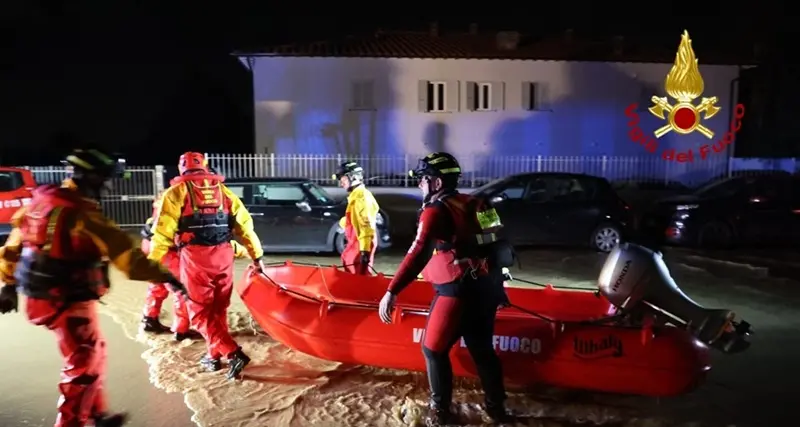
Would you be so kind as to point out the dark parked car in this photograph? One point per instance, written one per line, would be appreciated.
(559, 208)
(746, 209)
(640, 192)
(297, 215)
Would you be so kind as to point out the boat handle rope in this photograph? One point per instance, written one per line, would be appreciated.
(603, 321)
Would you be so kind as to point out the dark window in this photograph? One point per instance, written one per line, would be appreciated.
(10, 181)
(538, 190)
(278, 194)
(572, 189)
(436, 96)
(484, 98)
(513, 190)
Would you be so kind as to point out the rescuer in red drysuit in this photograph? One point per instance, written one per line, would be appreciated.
(456, 249)
(360, 221)
(200, 214)
(157, 293)
(57, 256)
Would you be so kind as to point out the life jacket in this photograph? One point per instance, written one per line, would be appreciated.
(56, 264)
(206, 217)
(475, 226)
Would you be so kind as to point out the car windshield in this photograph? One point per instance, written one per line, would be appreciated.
(721, 188)
(487, 188)
(319, 193)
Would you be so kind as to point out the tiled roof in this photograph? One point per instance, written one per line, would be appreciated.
(477, 46)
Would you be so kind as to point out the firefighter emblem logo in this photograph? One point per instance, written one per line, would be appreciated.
(684, 84)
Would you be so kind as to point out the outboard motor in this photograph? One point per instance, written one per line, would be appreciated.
(636, 280)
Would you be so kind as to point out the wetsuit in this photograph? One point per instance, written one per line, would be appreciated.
(467, 294)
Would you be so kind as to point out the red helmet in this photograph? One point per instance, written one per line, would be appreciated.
(190, 161)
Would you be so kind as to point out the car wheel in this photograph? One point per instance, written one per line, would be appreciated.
(715, 235)
(605, 238)
(339, 242)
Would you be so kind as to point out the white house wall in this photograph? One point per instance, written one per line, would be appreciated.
(303, 105)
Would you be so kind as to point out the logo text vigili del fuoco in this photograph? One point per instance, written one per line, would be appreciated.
(684, 84)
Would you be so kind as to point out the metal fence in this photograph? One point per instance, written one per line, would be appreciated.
(392, 170)
(130, 201)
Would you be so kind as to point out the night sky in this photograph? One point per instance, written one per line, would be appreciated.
(153, 85)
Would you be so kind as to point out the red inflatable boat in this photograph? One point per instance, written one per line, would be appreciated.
(333, 315)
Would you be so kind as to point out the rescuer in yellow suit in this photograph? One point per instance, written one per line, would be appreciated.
(200, 215)
(359, 221)
(57, 257)
(157, 293)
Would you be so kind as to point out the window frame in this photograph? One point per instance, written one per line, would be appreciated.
(483, 96)
(434, 96)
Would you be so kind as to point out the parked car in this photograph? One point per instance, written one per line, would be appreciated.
(16, 185)
(745, 209)
(559, 208)
(640, 192)
(297, 215)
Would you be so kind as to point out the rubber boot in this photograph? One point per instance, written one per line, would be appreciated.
(439, 417)
(188, 335)
(153, 325)
(236, 363)
(112, 420)
(209, 364)
(500, 415)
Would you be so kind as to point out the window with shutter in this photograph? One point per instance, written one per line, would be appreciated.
(437, 97)
(530, 96)
(484, 97)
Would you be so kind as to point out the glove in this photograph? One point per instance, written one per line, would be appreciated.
(259, 265)
(504, 301)
(8, 299)
(178, 288)
(507, 274)
(364, 262)
(385, 308)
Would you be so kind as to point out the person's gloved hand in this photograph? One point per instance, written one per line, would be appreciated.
(177, 287)
(259, 264)
(364, 262)
(8, 299)
(385, 308)
(507, 274)
(504, 301)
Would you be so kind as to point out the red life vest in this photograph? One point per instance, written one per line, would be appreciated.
(55, 263)
(474, 228)
(206, 216)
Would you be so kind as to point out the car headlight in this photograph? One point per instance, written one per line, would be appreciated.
(379, 219)
(685, 207)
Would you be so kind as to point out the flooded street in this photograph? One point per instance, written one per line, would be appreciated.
(284, 388)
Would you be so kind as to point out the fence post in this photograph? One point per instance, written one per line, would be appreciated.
(604, 166)
(406, 168)
(158, 179)
(272, 165)
(539, 163)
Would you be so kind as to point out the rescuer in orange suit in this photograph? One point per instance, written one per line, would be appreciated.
(157, 293)
(456, 249)
(200, 215)
(359, 221)
(56, 256)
